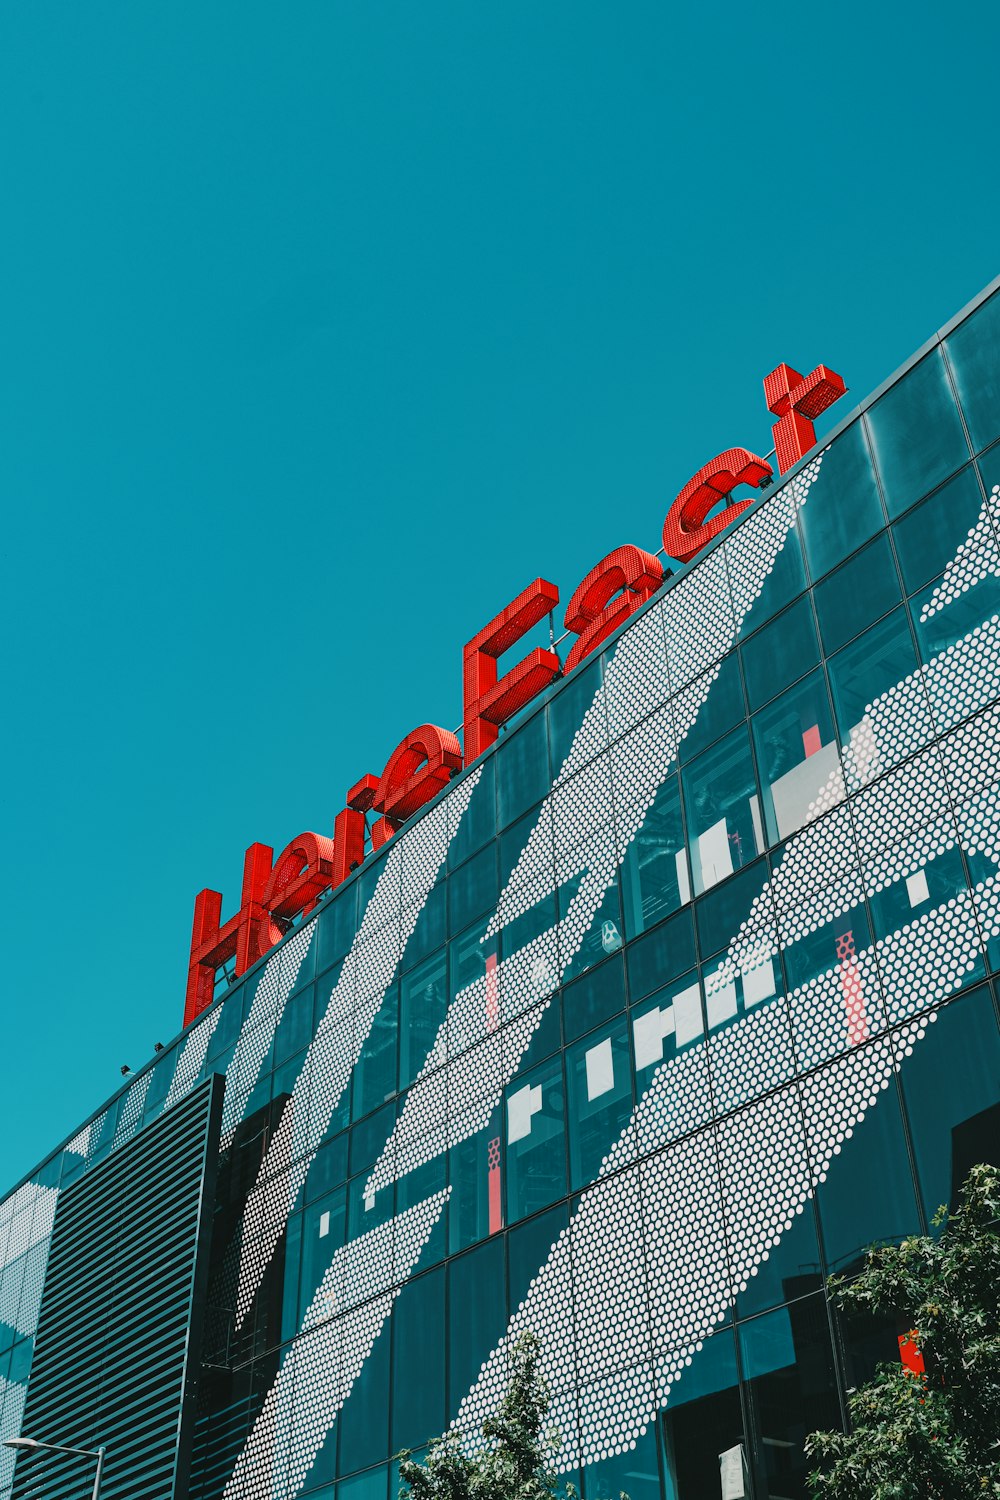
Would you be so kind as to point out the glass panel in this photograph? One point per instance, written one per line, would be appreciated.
(512, 843)
(782, 652)
(671, 1021)
(599, 1085)
(858, 593)
(375, 1072)
(869, 667)
(635, 1473)
(868, 1194)
(784, 583)
(723, 811)
(418, 1334)
(369, 1137)
(843, 508)
(467, 955)
(475, 1206)
(917, 434)
(832, 946)
(719, 915)
(703, 1425)
(928, 537)
(791, 1269)
(364, 1419)
(472, 889)
(567, 709)
(797, 754)
(328, 1169)
(723, 706)
(655, 877)
(423, 1005)
(924, 890)
(290, 1321)
(477, 1315)
(951, 1085)
(603, 934)
(788, 1361)
(593, 999)
(946, 627)
(974, 353)
(528, 1249)
(367, 1486)
(479, 821)
(295, 1028)
(522, 762)
(324, 1229)
(545, 1039)
(534, 1110)
(430, 932)
(660, 956)
(336, 925)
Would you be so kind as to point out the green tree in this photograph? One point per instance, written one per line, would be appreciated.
(936, 1435)
(514, 1460)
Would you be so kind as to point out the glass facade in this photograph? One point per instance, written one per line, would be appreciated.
(672, 1004)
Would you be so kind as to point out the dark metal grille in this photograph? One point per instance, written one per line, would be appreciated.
(117, 1349)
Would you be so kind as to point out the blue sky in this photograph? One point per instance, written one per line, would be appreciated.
(323, 329)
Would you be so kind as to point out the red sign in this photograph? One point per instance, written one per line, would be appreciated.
(276, 892)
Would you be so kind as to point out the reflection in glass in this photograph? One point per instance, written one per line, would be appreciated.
(797, 755)
(723, 811)
(477, 1314)
(423, 1005)
(475, 1207)
(868, 1193)
(843, 508)
(599, 1088)
(917, 434)
(951, 1087)
(704, 1436)
(522, 769)
(418, 1339)
(717, 702)
(946, 627)
(788, 1362)
(594, 998)
(780, 653)
(534, 1108)
(655, 877)
(862, 672)
(974, 354)
(857, 594)
(928, 537)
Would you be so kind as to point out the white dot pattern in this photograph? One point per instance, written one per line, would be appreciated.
(342, 1323)
(404, 883)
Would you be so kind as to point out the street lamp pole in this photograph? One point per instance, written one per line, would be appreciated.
(32, 1445)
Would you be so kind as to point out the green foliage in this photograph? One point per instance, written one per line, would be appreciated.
(514, 1461)
(935, 1436)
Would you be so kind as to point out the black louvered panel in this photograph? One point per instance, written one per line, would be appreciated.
(116, 1357)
